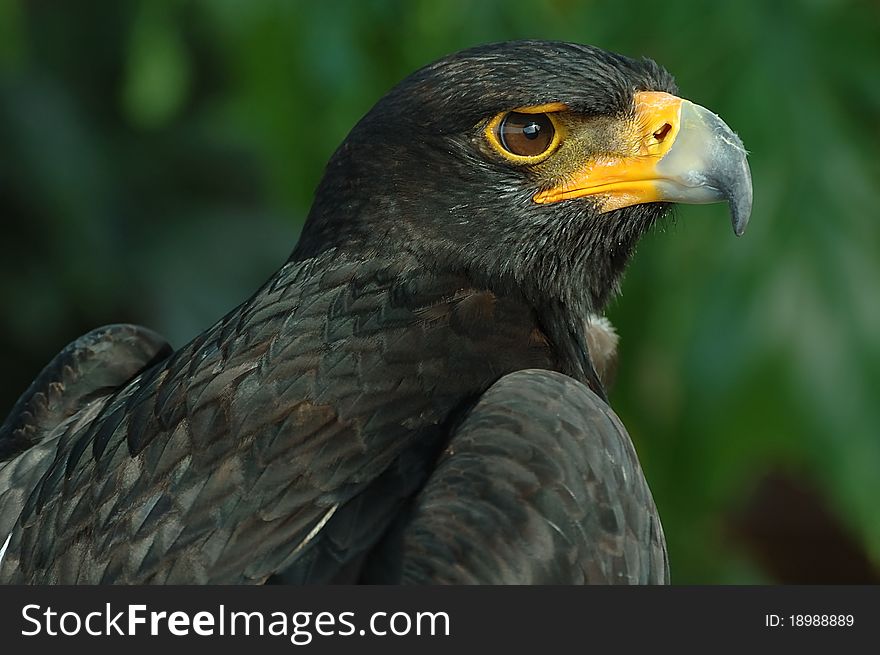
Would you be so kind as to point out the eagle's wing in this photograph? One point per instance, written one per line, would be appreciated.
(82, 374)
(249, 451)
(539, 485)
(95, 364)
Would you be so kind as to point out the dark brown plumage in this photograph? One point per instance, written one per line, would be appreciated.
(381, 386)
(536, 472)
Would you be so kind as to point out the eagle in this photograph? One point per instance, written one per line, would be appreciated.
(418, 394)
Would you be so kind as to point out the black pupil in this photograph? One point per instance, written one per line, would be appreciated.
(531, 130)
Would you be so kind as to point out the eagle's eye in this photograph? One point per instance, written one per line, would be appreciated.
(526, 135)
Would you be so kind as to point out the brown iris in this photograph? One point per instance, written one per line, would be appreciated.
(526, 135)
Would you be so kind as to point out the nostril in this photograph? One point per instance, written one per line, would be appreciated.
(662, 132)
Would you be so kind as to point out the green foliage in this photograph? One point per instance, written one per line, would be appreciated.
(157, 159)
(158, 75)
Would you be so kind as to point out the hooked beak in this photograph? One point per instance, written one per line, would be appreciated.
(684, 154)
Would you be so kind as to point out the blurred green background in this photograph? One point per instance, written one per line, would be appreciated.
(157, 160)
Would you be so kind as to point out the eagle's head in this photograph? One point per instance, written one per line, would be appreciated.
(530, 164)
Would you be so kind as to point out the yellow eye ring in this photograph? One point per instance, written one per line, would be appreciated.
(544, 115)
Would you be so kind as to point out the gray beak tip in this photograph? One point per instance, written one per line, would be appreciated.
(739, 198)
(708, 163)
